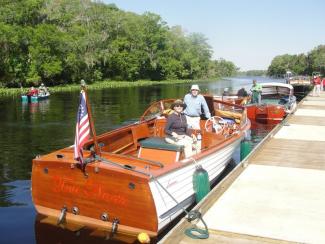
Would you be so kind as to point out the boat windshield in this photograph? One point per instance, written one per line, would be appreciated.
(157, 109)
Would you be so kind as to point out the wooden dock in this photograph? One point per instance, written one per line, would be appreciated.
(277, 194)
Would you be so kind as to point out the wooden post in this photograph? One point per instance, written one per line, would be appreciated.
(92, 127)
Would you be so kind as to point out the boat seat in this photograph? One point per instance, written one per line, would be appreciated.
(160, 143)
(159, 127)
(157, 149)
(139, 132)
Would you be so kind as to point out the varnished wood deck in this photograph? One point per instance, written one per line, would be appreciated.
(277, 195)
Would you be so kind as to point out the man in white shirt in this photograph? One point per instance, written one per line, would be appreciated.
(195, 102)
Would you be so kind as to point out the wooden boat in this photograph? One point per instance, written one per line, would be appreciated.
(34, 99)
(302, 85)
(137, 182)
(277, 101)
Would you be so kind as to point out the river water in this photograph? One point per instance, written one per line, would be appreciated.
(27, 130)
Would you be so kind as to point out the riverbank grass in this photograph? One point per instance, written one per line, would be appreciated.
(97, 85)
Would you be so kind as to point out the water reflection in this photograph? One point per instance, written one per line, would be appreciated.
(259, 131)
(44, 106)
(34, 111)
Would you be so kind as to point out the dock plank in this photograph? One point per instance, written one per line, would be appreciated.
(289, 153)
(266, 201)
(307, 120)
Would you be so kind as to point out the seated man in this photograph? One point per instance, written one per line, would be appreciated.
(226, 92)
(176, 129)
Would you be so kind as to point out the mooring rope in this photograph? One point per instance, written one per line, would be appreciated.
(191, 215)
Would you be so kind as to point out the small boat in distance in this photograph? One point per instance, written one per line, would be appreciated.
(35, 98)
(302, 85)
(135, 181)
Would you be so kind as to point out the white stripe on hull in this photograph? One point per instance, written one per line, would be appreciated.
(179, 183)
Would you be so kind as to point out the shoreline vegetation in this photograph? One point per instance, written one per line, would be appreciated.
(98, 85)
(62, 42)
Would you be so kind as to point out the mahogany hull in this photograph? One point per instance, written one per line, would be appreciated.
(135, 180)
(138, 202)
(268, 113)
(120, 195)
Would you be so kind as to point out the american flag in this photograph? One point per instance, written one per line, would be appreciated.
(82, 128)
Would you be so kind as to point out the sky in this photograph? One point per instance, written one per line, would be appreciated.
(250, 33)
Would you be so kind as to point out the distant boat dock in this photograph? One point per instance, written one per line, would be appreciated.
(277, 194)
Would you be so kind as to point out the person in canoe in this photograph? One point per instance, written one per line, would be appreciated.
(176, 128)
(32, 91)
(42, 90)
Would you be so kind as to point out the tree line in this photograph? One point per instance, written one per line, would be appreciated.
(64, 41)
(301, 64)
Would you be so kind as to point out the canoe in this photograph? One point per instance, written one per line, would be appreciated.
(138, 182)
(34, 99)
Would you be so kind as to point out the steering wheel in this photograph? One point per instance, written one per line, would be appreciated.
(216, 124)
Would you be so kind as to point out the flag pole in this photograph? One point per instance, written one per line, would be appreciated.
(92, 127)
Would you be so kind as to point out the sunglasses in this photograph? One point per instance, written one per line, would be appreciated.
(177, 106)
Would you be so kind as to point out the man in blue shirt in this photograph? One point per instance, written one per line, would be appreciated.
(195, 102)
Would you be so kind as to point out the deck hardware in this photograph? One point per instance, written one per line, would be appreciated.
(113, 231)
(46, 170)
(131, 186)
(60, 156)
(96, 169)
(75, 210)
(104, 217)
(63, 213)
(38, 156)
(115, 223)
(126, 166)
(121, 165)
(72, 166)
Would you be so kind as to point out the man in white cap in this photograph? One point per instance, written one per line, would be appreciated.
(195, 102)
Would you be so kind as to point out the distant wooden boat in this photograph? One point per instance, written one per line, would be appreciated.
(277, 101)
(133, 185)
(302, 85)
(34, 99)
